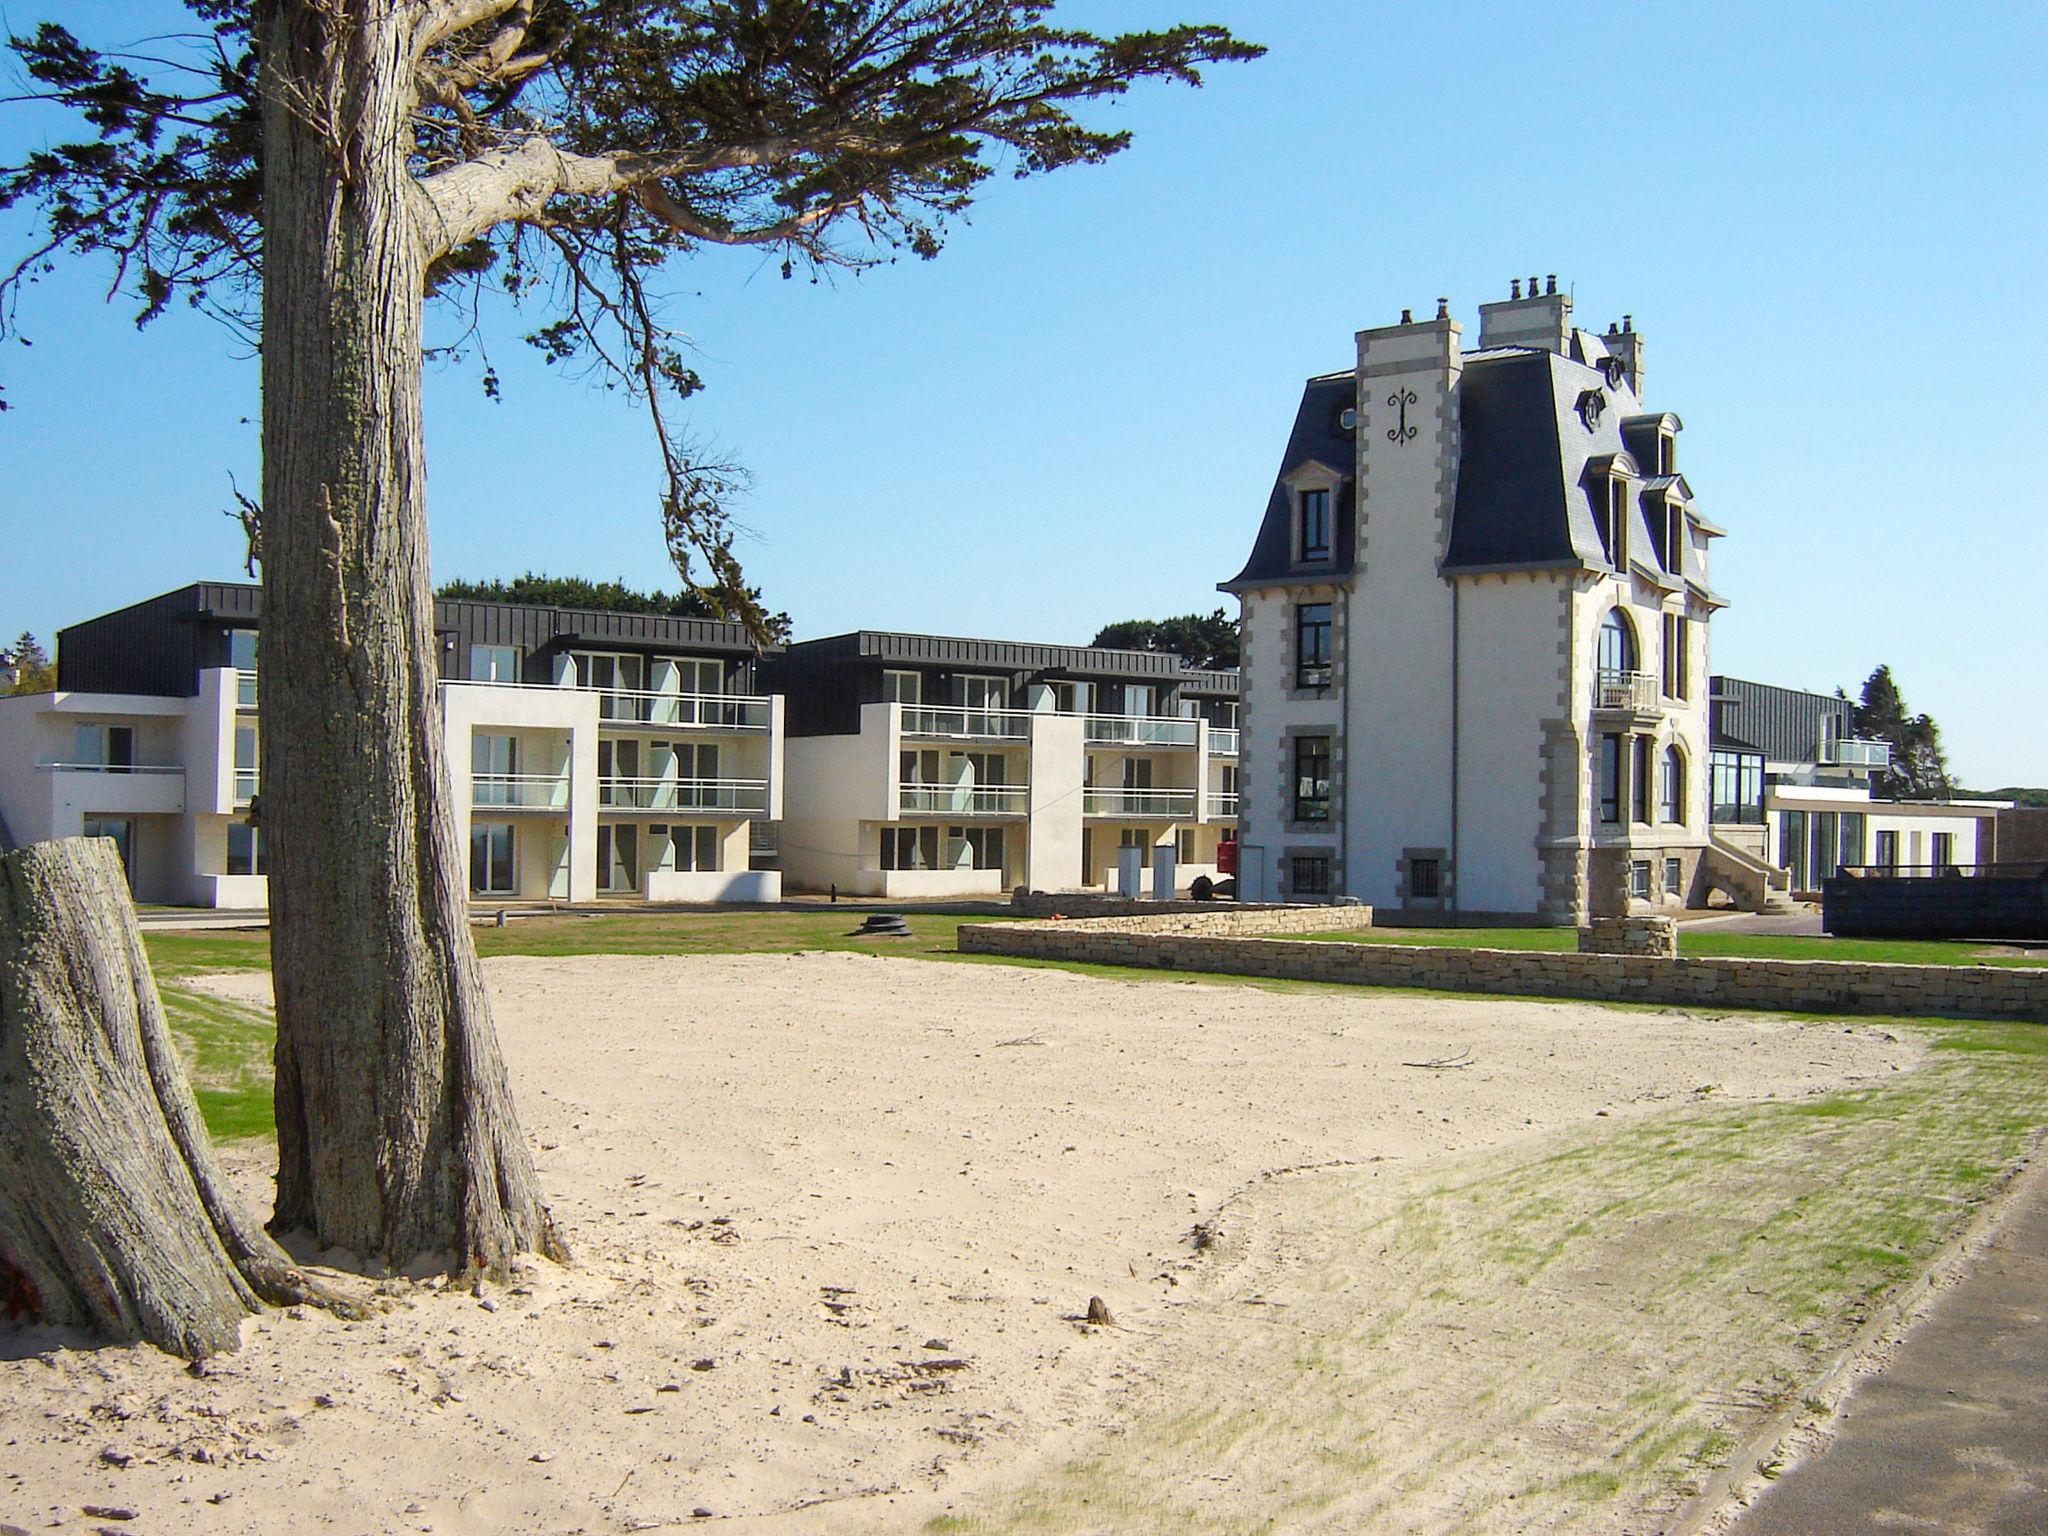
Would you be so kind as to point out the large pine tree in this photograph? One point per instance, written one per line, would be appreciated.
(321, 169)
(1919, 769)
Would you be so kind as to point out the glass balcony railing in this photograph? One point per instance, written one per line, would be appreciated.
(245, 785)
(739, 795)
(1857, 753)
(245, 689)
(966, 720)
(1143, 804)
(1222, 743)
(1222, 805)
(963, 799)
(1139, 731)
(684, 711)
(519, 791)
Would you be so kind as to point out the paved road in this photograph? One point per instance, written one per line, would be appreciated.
(1952, 1436)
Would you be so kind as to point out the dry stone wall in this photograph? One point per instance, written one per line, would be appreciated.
(1243, 944)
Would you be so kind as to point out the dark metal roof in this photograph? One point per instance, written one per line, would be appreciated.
(1222, 683)
(1512, 506)
(890, 647)
(1782, 723)
(1317, 438)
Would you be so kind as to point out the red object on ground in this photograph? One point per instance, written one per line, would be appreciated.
(1226, 856)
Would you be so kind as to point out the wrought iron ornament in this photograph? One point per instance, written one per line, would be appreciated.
(1400, 432)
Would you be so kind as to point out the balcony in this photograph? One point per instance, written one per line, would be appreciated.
(1140, 804)
(1139, 731)
(519, 791)
(1222, 805)
(728, 796)
(1222, 743)
(683, 711)
(1856, 753)
(963, 799)
(141, 788)
(1626, 693)
(966, 722)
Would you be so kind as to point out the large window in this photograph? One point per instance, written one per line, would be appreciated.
(975, 847)
(1887, 854)
(1617, 650)
(1644, 747)
(1738, 788)
(1315, 525)
(1671, 786)
(694, 850)
(1677, 639)
(699, 674)
(245, 849)
(1674, 539)
(910, 847)
(494, 663)
(246, 772)
(1610, 777)
(105, 746)
(492, 846)
(1140, 700)
(1312, 645)
(1311, 778)
(902, 688)
(1614, 523)
(1942, 853)
(242, 649)
(618, 859)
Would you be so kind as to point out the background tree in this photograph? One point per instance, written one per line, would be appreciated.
(1202, 640)
(33, 669)
(615, 596)
(1919, 769)
(361, 157)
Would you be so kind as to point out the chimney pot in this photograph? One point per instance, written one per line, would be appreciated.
(1443, 309)
(1628, 323)
(1550, 283)
(1515, 288)
(1532, 285)
(1407, 317)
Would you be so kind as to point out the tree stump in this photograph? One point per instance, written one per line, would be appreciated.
(114, 1214)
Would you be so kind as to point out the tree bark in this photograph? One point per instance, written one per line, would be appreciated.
(396, 1133)
(114, 1215)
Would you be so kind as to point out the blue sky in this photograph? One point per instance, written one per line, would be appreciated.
(1826, 221)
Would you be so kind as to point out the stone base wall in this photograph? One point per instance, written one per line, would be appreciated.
(1211, 918)
(1630, 936)
(1216, 943)
(1101, 904)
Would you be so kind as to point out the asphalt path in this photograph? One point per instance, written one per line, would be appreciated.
(1952, 1435)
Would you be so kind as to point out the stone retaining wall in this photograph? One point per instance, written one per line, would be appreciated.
(1189, 943)
(1101, 904)
(1214, 919)
(1630, 936)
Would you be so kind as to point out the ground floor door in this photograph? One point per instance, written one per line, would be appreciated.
(122, 831)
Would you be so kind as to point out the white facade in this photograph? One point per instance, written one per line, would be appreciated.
(538, 780)
(948, 801)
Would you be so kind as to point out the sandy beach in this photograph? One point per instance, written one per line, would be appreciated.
(836, 1220)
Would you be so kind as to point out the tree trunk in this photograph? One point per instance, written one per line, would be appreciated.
(113, 1213)
(396, 1133)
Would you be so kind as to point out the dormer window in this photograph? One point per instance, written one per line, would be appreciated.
(1674, 538)
(1614, 523)
(1667, 454)
(1315, 525)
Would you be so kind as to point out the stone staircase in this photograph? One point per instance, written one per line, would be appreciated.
(1752, 883)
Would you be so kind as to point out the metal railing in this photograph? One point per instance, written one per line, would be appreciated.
(519, 791)
(1625, 690)
(1222, 803)
(110, 767)
(245, 689)
(1856, 752)
(684, 711)
(1150, 804)
(627, 794)
(965, 720)
(1139, 730)
(2007, 869)
(963, 799)
(1222, 742)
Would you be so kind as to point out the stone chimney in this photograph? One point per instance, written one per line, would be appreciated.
(1542, 317)
(1626, 343)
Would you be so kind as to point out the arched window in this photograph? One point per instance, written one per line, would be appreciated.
(1617, 644)
(1671, 786)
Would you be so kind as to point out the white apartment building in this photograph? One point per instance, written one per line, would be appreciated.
(927, 766)
(594, 754)
(1475, 627)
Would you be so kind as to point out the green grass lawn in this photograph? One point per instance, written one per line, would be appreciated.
(1704, 943)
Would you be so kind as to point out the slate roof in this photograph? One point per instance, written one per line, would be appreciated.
(1532, 463)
